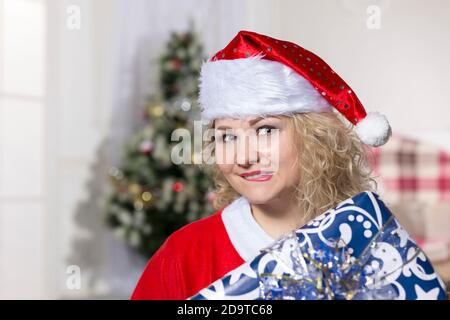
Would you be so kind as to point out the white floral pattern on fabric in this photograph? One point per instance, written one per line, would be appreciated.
(353, 220)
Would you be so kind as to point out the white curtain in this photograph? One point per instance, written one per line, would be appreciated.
(142, 28)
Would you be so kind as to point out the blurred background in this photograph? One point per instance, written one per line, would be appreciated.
(90, 91)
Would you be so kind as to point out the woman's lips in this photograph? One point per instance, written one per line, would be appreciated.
(261, 178)
(257, 176)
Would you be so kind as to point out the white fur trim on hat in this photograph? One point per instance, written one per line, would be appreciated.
(374, 129)
(255, 87)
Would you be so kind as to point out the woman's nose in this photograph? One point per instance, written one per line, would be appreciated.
(247, 151)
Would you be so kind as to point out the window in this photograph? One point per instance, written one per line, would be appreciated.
(22, 138)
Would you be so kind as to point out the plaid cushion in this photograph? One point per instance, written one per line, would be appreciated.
(411, 170)
(414, 180)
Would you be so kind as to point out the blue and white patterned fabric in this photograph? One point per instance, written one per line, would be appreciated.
(356, 221)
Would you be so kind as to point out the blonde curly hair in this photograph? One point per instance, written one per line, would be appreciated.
(333, 164)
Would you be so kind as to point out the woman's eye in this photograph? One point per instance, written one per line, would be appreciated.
(228, 137)
(265, 130)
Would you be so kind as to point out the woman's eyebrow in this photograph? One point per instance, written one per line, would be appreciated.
(254, 121)
(251, 122)
(223, 128)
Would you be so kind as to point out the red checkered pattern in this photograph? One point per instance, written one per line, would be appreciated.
(411, 170)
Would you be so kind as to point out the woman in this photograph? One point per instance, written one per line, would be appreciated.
(284, 152)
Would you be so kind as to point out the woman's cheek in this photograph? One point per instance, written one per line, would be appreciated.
(274, 154)
(225, 168)
(288, 157)
(225, 154)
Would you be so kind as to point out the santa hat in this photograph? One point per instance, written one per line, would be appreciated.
(256, 75)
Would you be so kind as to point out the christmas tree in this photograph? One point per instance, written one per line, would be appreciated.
(152, 197)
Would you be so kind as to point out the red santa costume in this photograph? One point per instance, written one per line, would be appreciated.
(238, 82)
(202, 252)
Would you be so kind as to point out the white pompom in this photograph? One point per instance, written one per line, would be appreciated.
(374, 129)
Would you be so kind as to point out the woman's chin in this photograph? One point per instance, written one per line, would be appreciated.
(258, 192)
(258, 196)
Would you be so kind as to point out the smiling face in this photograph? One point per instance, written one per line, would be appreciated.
(257, 156)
